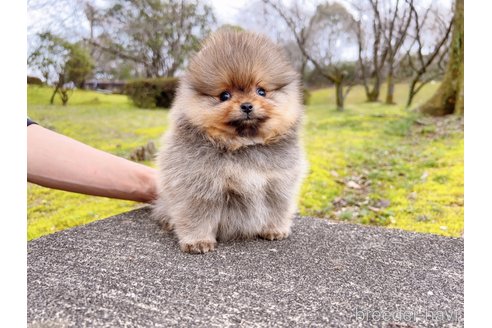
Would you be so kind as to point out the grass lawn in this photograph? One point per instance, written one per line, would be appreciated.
(372, 164)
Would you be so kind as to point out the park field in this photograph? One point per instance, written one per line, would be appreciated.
(371, 164)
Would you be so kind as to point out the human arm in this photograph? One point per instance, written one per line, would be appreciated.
(59, 162)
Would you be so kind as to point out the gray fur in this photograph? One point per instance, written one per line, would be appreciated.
(208, 192)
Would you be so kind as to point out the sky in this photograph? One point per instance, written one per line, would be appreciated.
(227, 10)
(67, 17)
(39, 17)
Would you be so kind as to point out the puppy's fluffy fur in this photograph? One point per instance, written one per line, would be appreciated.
(226, 174)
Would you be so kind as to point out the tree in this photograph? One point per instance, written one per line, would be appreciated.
(111, 65)
(62, 64)
(320, 39)
(154, 34)
(395, 36)
(371, 58)
(381, 32)
(263, 19)
(333, 31)
(426, 55)
(93, 17)
(449, 97)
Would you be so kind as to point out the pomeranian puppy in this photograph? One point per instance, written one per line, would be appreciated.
(231, 163)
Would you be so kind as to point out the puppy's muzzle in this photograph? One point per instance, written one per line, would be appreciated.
(246, 107)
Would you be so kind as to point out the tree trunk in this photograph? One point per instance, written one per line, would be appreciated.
(59, 84)
(390, 88)
(64, 96)
(339, 95)
(411, 92)
(373, 96)
(449, 97)
(52, 100)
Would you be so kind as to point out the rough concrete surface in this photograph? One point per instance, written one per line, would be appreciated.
(124, 272)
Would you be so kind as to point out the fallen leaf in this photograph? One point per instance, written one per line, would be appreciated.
(374, 209)
(353, 185)
(334, 174)
(424, 176)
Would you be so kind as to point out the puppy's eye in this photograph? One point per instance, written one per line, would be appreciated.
(224, 96)
(261, 92)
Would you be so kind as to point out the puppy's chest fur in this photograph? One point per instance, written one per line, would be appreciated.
(239, 180)
(211, 172)
(242, 188)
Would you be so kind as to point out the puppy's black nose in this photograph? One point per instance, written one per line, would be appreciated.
(246, 107)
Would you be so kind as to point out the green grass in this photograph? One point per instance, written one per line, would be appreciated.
(416, 170)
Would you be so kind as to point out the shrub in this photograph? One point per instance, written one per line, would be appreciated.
(152, 93)
(34, 80)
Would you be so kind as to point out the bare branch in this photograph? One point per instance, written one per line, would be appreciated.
(438, 52)
(290, 23)
(115, 52)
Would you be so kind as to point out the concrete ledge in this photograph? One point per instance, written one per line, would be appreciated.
(124, 272)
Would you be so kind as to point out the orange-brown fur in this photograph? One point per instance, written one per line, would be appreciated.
(220, 66)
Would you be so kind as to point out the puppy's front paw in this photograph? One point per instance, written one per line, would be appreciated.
(198, 247)
(272, 234)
